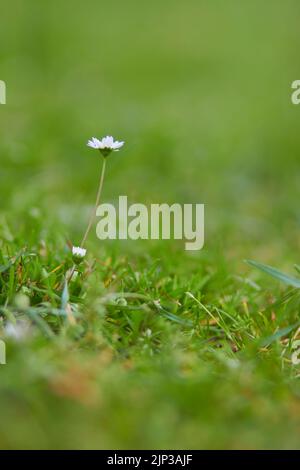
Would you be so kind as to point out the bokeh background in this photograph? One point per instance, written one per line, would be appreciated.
(201, 93)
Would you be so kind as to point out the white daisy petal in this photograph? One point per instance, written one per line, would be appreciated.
(118, 145)
(91, 144)
(94, 143)
(107, 141)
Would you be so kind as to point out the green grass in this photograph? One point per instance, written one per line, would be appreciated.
(162, 348)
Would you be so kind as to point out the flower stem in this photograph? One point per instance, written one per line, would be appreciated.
(93, 214)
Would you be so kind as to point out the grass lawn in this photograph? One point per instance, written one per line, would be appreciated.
(152, 346)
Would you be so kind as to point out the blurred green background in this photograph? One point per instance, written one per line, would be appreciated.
(201, 93)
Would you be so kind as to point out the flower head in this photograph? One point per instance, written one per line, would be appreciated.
(106, 145)
(78, 253)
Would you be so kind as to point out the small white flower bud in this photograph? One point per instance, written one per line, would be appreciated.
(78, 254)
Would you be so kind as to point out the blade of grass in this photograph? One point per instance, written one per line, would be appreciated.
(282, 332)
(289, 280)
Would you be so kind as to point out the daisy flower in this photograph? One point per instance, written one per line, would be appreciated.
(105, 145)
(78, 253)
